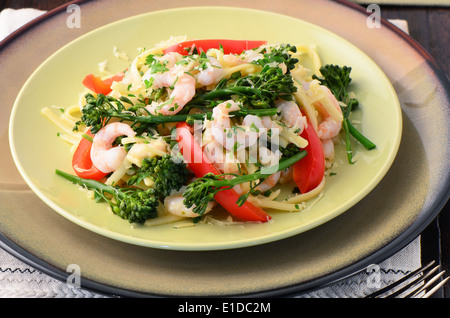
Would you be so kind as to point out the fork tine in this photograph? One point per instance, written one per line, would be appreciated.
(420, 289)
(400, 281)
(435, 288)
(420, 279)
(414, 282)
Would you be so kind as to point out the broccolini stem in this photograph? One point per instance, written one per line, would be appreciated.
(133, 204)
(91, 184)
(87, 137)
(348, 145)
(224, 92)
(359, 136)
(337, 79)
(201, 191)
(159, 119)
(283, 164)
(229, 183)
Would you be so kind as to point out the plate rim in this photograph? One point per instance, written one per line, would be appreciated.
(389, 249)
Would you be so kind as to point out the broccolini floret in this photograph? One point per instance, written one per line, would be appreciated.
(338, 79)
(169, 173)
(137, 205)
(279, 55)
(290, 150)
(202, 190)
(133, 204)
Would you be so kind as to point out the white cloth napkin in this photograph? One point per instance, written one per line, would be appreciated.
(375, 276)
(11, 20)
(19, 280)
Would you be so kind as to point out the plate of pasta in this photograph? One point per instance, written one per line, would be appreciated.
(205, 140)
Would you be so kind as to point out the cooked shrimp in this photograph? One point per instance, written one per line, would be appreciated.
(249, 131)
(271, 126)
(237, 137)
(211, 74)
(269, 182)
(269, 159)
(221, 112)
(174, 205)
(104, 156)
(251, 56)
(224, 162)
(245, 57)
(221, 123)
(170, 59)
(328, 149)
(160, 79)
(291, 114)
(224, 140)
(286, 175)
(329, 127)
(183, 89)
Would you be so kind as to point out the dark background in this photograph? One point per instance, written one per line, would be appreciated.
(430, 27)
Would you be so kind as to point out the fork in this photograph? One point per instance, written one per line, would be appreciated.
(410, 286)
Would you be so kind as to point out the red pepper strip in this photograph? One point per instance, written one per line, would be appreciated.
(200, 165)
(82, 163)
(229, 46)
(99, 86)
(309, 171)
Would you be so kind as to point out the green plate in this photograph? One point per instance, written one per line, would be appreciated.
(37, 151)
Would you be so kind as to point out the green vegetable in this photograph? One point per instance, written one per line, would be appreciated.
(132, 204)
(337, 79)
(155, 65)
(99, 110)
(201, 191)
(290, 150)
(168, 172)
(278, 55)
(256, 90)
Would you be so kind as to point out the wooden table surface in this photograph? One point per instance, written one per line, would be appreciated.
(429, 26)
